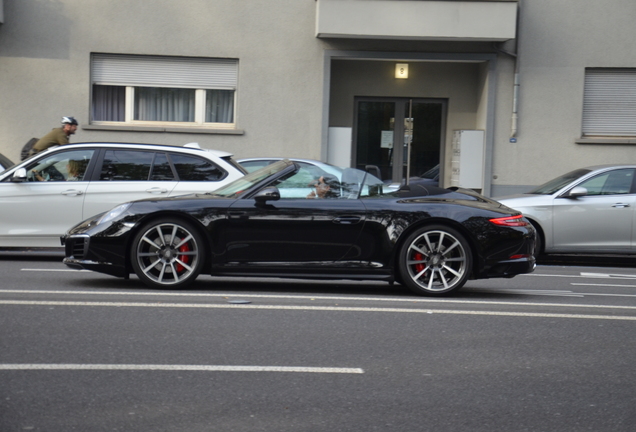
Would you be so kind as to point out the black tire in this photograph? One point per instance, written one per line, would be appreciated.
(435, 260)
(167, 253)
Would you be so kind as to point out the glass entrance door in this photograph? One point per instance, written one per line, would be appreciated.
(384, 128)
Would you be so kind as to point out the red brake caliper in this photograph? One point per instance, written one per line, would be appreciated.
(420, 266)
(184, 258)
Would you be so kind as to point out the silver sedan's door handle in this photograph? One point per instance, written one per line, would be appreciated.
(156, 190)
(72, 192)
(620, 205)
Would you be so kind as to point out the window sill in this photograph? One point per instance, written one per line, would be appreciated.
(128, 128)
(606, 141)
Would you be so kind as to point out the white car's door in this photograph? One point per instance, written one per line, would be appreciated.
(602, 220)
(38, 210)
(126, 176)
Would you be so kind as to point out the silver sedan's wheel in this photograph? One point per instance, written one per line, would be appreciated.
(435, 260)
(167, 254)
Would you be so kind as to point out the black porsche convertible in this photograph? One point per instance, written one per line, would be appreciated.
(285, 221)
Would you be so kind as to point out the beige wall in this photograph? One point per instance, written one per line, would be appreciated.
(45, 51)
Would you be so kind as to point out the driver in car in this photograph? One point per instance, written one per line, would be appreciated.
(326, 186)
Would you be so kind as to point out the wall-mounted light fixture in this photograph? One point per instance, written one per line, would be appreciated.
(402, 70)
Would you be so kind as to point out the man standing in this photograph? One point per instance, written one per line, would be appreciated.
(58, 136)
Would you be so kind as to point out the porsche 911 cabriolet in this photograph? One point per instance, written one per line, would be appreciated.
(430, 239)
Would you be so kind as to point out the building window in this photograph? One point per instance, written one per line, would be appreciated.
(609, 103)
(163, 91)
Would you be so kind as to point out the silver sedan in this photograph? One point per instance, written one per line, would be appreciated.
(589, 210)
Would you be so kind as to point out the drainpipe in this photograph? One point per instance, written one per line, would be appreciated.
(515, 90)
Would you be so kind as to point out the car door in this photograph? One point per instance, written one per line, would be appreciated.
(602, 220)
(37, 211)
(292, 231)
(128, 175)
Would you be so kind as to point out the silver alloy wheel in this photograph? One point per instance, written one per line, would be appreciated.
(437, 261)
(167, 254)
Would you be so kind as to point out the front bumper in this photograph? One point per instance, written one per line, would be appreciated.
(80, 254)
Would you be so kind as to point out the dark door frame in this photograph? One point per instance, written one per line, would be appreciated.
(401, 103)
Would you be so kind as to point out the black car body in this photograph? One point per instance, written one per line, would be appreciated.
(428, 238)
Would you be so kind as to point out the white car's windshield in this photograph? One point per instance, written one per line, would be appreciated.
(558, 183)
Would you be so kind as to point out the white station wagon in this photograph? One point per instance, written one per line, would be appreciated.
(48, 193)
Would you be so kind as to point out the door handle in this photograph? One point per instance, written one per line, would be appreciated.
(620, 205)
(156, 190)
(236, 214)
(72, 192)
(347, 220)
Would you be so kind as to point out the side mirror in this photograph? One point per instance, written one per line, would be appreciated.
(270, 193)
(19, 176)
(576, 192)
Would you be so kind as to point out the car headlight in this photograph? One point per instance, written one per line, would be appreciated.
(114, 213)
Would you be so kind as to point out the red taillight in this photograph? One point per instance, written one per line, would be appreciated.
(519, 256)
(511, 221)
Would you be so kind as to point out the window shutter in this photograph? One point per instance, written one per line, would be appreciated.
(156, 71)
(609, 106)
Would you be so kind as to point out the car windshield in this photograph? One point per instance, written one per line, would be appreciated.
(558, 183)
(235, 188)
(433, 173)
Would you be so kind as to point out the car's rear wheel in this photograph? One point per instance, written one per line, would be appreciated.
(435, 260)
(167, 254)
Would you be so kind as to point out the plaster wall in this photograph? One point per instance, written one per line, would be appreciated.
(557, 41)
(45, 48)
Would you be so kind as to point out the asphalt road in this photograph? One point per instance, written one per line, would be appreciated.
(550, 351)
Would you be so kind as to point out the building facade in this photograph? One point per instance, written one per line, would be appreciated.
(501, 95)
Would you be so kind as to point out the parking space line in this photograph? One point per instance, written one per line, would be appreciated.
(158, 367)
(319, 308)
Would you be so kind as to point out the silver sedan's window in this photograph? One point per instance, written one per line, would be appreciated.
(617, 182)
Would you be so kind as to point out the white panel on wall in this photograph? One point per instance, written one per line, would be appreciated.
(467, 163)
(339, 146)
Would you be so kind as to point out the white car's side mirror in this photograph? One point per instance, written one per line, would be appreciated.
(577, 191)
(19, 176)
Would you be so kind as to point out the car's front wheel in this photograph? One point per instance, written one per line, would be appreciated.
(435, 260)
(167, 254)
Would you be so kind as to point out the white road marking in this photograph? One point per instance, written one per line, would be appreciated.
(583, 275)
(55, 270)
(206, 368)
(317, 308)
(319, 297)
(608, 275)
